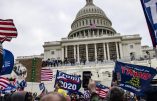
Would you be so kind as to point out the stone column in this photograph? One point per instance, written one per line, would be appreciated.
(63, 53)
(93, 33)
(104, 46)
(98, 33)
(117, 50)
(66, 52)
(102, 33)
(74, 52)
(84, 33)
(121, 51)
(95, 52)
(78, 54)
(87, 53)
(108, 52)
(88, 33)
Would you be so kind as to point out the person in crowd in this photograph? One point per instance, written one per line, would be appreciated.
(53, 97)
(59, 90)
(21, 96)
(115, 93)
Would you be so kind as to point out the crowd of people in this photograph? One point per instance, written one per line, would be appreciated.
(114, 94)
(56, 63)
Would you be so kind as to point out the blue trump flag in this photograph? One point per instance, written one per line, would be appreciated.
(134, 78)
(68, 82)
(8, 62)
(150, 12)
(41, 86)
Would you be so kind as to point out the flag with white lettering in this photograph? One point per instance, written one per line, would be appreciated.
(68, 82)
(8, 62)
(150, 12)
(134, 78)
(7, 30)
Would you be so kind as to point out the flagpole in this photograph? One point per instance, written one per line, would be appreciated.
(155, 49)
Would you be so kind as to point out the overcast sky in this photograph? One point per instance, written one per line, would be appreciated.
(38, 21)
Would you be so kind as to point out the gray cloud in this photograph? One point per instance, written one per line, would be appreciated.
(38, 21)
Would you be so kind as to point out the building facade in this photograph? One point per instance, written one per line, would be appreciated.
(92, 38)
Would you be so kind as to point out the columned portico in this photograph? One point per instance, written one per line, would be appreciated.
(74, 52)
(95, 52)
(87, 53)
(62, 53)
(66, 51)
(117, 50)
(78, 54)
(104, 46)
(108, 54)
(121, 51)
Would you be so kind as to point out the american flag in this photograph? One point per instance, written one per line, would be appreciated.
(4, 82)
(7, 30)
(101, 90)
(46, 74)
(87, 94)
(92, 26)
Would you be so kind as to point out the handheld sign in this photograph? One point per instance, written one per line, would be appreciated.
(8, 62)
(68, 82)
(134, 78)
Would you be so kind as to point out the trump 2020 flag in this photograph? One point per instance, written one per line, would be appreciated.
(150, 12)
(8, 62)
(134, 78)
(68, 82)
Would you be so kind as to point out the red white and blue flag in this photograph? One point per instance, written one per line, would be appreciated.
(7, 30)
(4, 83)
(92, 26)
(150, 12)
(46, 74)
(101, 90)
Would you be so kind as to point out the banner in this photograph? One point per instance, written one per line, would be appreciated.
(134, 78)
(68, 82)
(8, 62)
(150, 12)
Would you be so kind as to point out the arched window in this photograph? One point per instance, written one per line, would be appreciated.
(90, 21)
(101, 22)
(94, 21)
(79, 23)
(86, 21)
(83, 22)
(97, 21)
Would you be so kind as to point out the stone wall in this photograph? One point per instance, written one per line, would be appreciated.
(28, 64)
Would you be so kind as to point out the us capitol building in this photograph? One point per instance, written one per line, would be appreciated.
(93, 38)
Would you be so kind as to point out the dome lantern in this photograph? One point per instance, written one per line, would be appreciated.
(89, 2)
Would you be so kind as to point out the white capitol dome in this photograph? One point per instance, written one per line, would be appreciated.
(88, 15)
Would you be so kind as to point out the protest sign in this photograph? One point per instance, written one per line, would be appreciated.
(134, 78)
(8, 62)
(68, 82)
